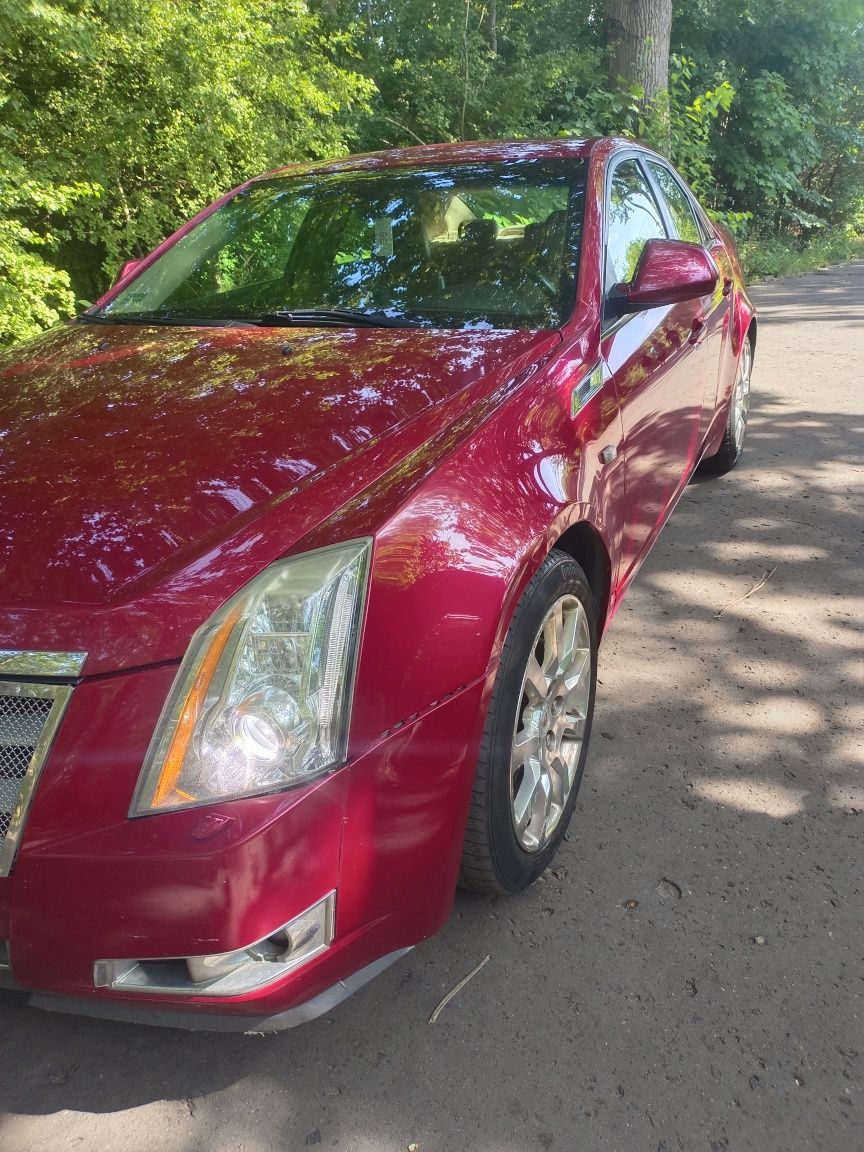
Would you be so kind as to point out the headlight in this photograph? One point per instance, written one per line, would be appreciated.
(262, 698)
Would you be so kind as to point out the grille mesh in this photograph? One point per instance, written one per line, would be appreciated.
(22, 721)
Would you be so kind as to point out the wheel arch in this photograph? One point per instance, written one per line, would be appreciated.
(744, 323)
(584, 544)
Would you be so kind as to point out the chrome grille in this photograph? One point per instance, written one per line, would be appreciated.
(22, 719)
(29, 716)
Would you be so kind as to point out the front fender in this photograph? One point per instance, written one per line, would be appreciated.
(451, 562)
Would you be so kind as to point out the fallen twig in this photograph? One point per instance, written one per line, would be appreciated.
(458, 988)
(763, 579)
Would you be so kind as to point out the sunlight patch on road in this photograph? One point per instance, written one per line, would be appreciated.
(781, 714)
(749, 794)
(847, 796)
(773, 553)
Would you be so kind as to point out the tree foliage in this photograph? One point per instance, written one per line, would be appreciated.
(118, 120)
(121, 119)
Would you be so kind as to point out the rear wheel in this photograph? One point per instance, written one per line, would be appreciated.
(537, 730)
(732, 446)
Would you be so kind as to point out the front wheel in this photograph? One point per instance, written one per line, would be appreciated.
(535, 741)
(729, 453)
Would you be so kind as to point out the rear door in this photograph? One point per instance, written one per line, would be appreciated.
(656, 359)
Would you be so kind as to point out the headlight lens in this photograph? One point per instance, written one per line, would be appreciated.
(262, 698)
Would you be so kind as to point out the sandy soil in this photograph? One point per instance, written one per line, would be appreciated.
(689, 976)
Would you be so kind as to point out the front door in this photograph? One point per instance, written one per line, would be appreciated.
(715, 305)
(657, 360)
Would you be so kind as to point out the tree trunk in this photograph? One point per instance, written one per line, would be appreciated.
(637, 37)
(493, 27)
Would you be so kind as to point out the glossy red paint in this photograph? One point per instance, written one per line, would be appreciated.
(172, 465)
(148, 473)
(668, 272)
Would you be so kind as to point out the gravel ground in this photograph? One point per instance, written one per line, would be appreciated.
(689, 976)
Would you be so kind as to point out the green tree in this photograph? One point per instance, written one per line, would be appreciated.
(468, 69)
(119, 119)
(790, 147)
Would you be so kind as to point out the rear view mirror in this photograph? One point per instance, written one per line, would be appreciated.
(668, 272)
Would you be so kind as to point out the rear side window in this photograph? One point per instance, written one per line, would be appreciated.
(678, 203)
(634, 219)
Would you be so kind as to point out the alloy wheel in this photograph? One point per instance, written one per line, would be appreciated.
(741, 399)
(550, 722)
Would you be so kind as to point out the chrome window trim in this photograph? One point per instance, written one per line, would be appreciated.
(60, 694)
(51, 665)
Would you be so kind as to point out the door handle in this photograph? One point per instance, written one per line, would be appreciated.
(696, 329)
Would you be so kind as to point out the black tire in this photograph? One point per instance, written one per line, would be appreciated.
(732, 446)
(493, 859)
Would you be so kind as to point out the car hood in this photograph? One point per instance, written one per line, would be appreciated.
(128, 452)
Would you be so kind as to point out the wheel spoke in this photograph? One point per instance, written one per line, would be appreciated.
(584, 633)
(540, 808)
(536, 683)
(531, 799)
(525, 746)
(574, 727)
(553, 640)
(572, 626)
(559, 779)
(578, 679)
(524, 798)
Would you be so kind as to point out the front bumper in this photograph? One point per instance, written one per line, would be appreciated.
(91, 885)
(127, 1012)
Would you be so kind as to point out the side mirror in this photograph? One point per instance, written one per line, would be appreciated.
(126, 270)
(668, 272)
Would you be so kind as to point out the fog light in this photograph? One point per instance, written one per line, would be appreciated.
(228, 973)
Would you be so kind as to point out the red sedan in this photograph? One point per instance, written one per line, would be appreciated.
(309, 531)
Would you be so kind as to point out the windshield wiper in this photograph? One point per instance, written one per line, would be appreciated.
(163, 318)
(287, 318)
(331, 318)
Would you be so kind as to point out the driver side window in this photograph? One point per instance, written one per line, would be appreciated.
(633, 219)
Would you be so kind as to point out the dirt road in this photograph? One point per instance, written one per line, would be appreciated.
(690, 977)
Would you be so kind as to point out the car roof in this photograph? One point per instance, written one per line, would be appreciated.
(460, 152)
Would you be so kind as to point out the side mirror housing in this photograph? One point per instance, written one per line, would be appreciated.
(668, 272)
(126, 269)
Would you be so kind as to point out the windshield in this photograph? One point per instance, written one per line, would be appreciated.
(474, 245)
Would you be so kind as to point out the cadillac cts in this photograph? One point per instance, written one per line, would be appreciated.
(309, 531)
